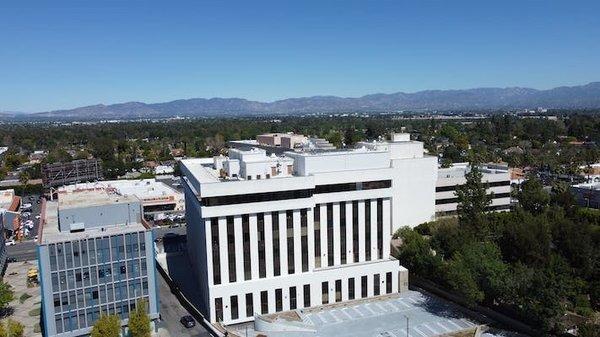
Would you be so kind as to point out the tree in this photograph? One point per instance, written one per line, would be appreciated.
(24, 180)
(415, 253)
(473, 201)
(139, 321)
(6, 295)
(107, 326)
(532, 197)
(11, 328)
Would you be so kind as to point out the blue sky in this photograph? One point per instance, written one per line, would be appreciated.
(64, 54)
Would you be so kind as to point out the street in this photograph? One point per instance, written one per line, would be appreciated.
(171, 311)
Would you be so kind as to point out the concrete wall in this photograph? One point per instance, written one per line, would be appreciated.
(99, 216)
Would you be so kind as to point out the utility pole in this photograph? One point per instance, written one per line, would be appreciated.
(407, 327)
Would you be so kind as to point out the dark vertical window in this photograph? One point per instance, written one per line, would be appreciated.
(317, 220)
(234, 307)
(388, 283)
(290, 240)
(338, 290)
(276, 253)
(307, 295)
(355, 230)
(324, 293)
(376, 285)
(367, 230)
(351, 289)
(219, 309)
(380, 228)
(246, 246)
(364, 283)
(262, 268)
(231, 248)
(343, 232)
(214, 231)
(293, 298)
(278, 300)
(249, 305)
(304, 238)
(264, 302)
(330, 234)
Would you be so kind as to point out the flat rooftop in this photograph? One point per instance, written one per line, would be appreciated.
(588, 186)
(142, 188)
(49, 231)
(90, 198)
(383, 316)
(458, 170)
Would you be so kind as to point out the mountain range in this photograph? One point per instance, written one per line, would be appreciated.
(575, 97)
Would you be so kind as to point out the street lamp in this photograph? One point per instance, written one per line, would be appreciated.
(407, 333)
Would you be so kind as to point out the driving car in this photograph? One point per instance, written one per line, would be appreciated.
(188, 321)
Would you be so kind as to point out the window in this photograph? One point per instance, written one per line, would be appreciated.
(343, 232)
(290, 240)
(278, 300)
(256, 197)
(276, 253)
(260, 221)
(338, 290)
(330, 234)
(376, 284)
(317, 221)
(351, 294)
(293, 298)
(234, 307)
(231, 248)
(219, 309)
(364, 283)
(246, 246)
(355, 230)
(367, 230)
(324, 293)
(307, 295)
(214, 230)
(388, 283)
(249, 305)
(304, 238)
(264, 302)
(380, 228)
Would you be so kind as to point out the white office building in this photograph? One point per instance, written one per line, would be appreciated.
(496, 176)
(274, 233)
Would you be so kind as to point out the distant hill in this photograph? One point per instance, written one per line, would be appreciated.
(577, 97)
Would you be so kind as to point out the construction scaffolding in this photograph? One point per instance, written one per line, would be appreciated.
(73, 172)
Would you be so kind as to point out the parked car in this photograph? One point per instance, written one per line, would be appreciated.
(11, 259)
(26, 206)
(11, 242)
(188, 321)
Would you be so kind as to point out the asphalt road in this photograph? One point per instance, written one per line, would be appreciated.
(22, 251)
(171, 311)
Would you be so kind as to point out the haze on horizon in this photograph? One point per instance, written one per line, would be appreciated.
(73, 53)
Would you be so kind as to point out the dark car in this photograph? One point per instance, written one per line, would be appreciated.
(188, 321)
(11, 259)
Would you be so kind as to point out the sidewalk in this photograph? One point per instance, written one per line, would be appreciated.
(28, 312)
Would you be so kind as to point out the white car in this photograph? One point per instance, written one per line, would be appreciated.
(11, 242)
(26, 206)
(38, 216)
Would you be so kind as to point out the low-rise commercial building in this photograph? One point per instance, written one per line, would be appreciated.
(157, 197)
(587, 195)
(497, 178)
(95, 255)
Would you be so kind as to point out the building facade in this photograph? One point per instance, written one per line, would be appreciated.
(95, 256)
(268, 234)
(497, 178)
(587, 194)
